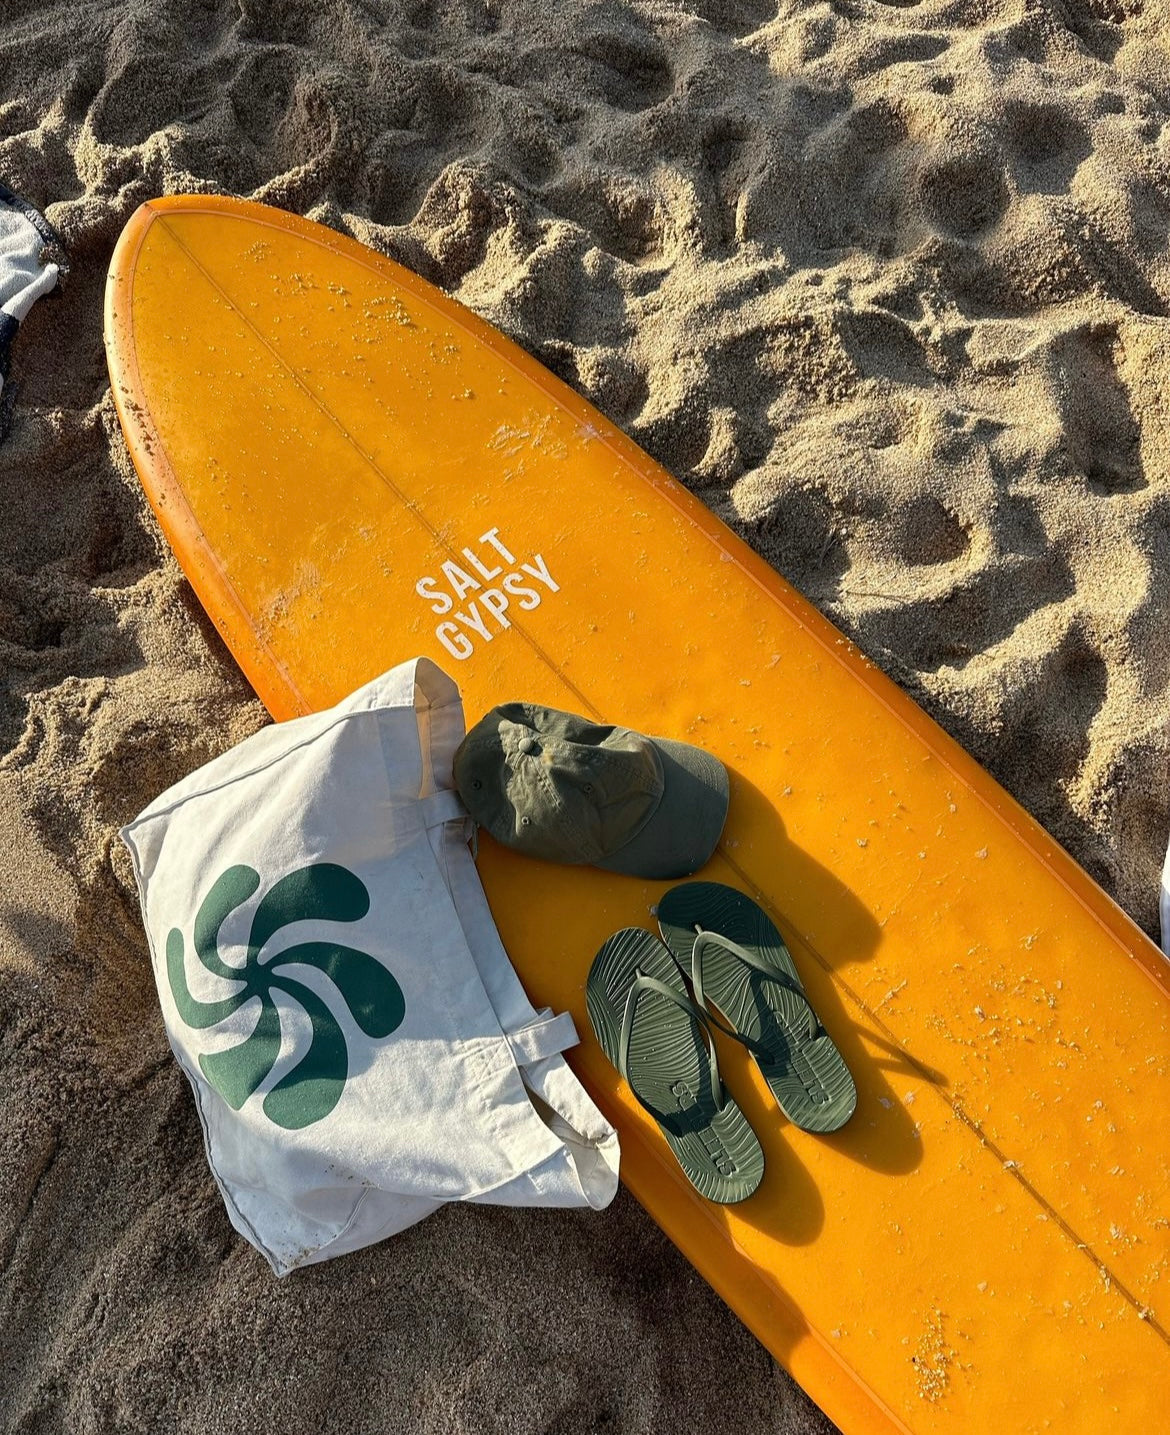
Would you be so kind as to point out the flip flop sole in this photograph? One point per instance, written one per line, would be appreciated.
(799, 1061)
(668, 1068)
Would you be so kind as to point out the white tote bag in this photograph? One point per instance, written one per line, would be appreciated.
(333, 985)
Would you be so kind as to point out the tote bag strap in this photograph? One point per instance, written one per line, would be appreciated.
(546, 1035)
(443, 806)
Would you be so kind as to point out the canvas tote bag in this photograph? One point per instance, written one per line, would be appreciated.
(332, 983)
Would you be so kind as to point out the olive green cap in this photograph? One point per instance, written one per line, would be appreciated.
(554, 785)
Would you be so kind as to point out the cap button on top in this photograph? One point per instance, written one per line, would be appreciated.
(529, 745)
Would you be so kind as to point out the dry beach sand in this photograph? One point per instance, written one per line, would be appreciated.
(885, 284)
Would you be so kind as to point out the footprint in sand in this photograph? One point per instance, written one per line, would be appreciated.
(1049, 144)
(963, 195)
(927, 532)
(1101, 435)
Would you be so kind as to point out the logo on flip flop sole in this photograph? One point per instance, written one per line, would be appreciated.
(321, 892)
(715, 1148)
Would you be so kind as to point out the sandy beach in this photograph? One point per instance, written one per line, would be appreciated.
(885, 284)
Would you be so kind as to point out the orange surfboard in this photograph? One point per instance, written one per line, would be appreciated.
(353, 470)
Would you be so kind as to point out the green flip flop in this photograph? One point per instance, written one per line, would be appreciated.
(738, 964)
(660, 1042)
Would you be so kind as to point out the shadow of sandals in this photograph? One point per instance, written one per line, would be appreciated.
(828, 929)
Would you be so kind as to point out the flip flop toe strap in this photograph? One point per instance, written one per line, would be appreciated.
(709, 942)
(644, 985)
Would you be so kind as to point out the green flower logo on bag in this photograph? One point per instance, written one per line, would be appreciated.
(322, 891)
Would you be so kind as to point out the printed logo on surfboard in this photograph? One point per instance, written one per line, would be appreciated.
(473, 598)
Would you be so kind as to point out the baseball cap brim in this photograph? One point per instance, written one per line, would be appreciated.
(685, 827)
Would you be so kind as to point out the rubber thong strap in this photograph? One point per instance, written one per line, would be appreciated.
(643, 984)
(706, 942)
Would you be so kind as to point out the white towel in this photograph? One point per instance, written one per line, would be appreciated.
(24, 276)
